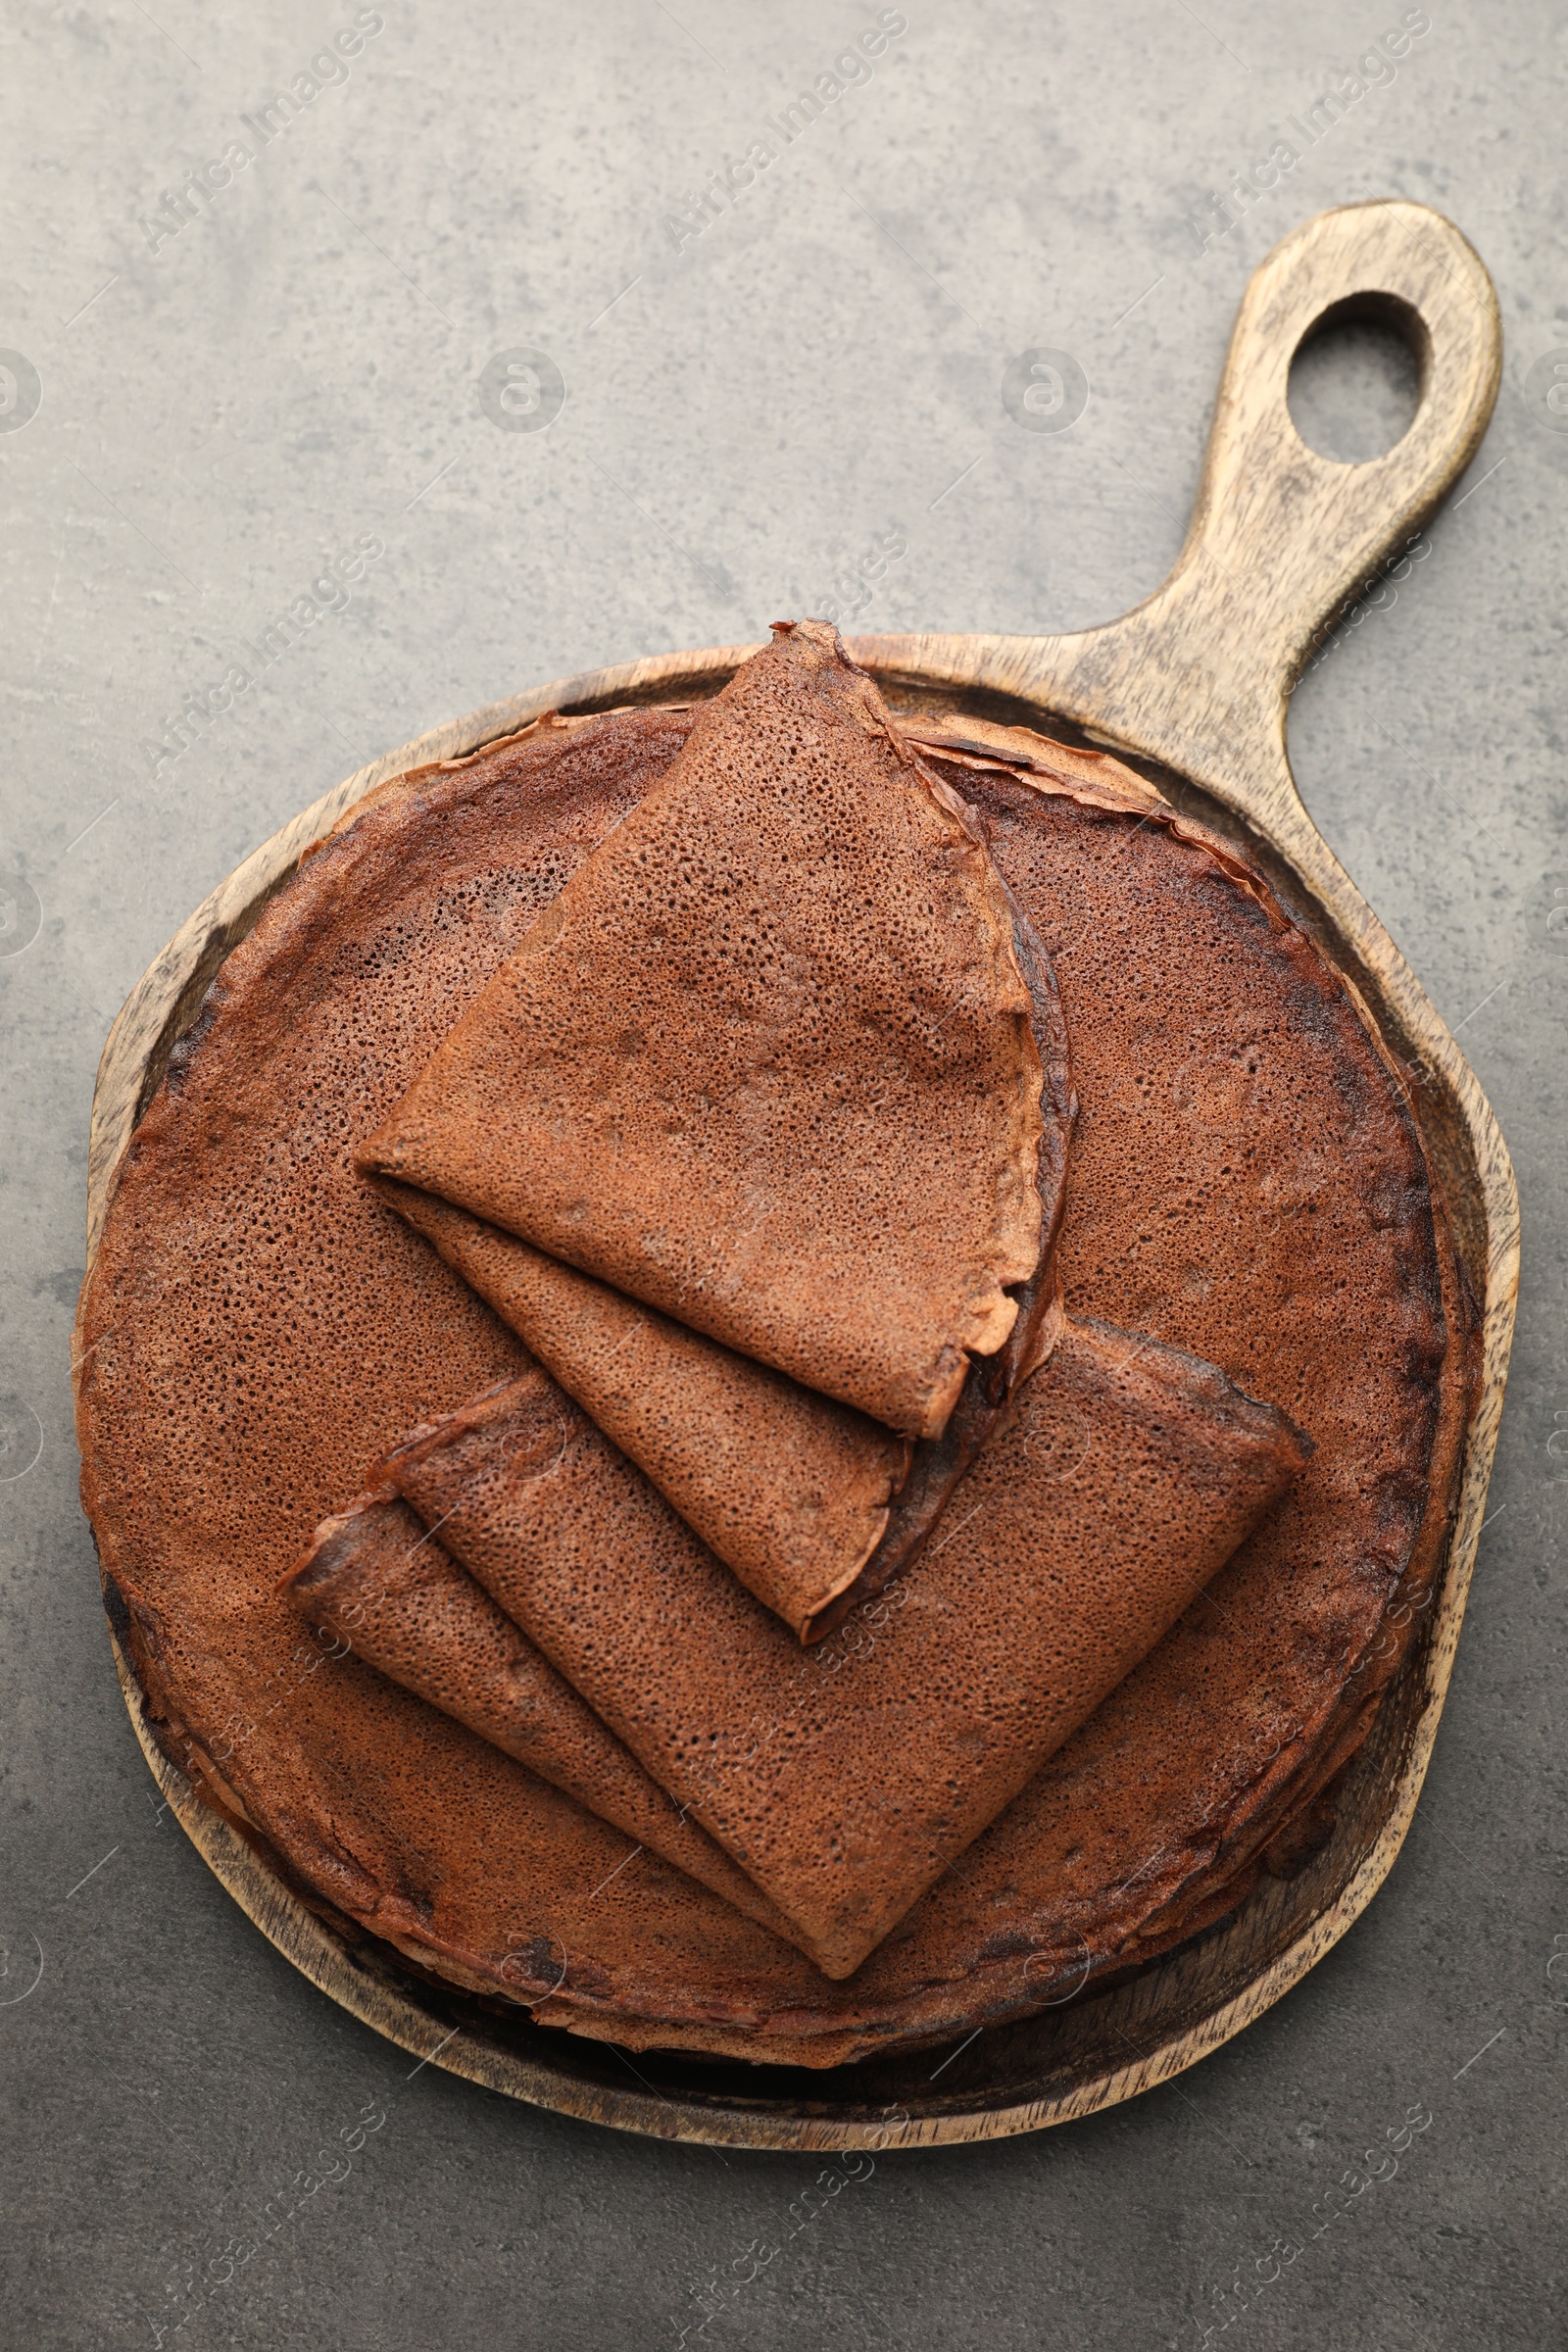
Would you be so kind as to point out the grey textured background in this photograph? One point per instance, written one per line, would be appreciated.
(750, 416)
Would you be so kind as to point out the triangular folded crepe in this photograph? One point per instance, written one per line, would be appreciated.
(844, 1779)
(813, 1506)
(374, 1578)
(766, 1062)
(791, 1489)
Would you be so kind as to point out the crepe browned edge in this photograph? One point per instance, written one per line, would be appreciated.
(376, 1579)
(793, 822)
(1238, 1858)
(755, 1429)
(865, 1781)
(992, 1382)
(457, 1960)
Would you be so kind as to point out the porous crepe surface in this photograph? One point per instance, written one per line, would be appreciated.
(414, 1826)
(377, 1579)
(1270, 1229)
(209, 1452)
(845, 1780)
(790, 1488)
(813, 1506)
(257, 1325)
(1148, 1826)
(686, 1082)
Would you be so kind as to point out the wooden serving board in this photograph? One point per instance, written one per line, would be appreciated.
(1192, 684)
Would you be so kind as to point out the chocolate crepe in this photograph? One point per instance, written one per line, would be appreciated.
(790, 1488)
(813, 1506)
(251, 1304)
(378, 1579)
(845, 1781)
(768, 1063)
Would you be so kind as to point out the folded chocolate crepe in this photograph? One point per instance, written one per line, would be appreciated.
(791, 1489)
(767, 1061)
(844, 1779)
(376, 1578)
(813, 1506)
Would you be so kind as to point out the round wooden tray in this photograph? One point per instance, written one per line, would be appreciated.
(1193, 685)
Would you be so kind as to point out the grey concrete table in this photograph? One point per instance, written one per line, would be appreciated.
(269, 285)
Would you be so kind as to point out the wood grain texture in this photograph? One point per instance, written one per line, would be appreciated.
(1194, 684)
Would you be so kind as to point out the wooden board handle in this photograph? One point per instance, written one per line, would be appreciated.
(1282, 539)
(1289, 533)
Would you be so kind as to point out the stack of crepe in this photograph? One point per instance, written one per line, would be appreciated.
(790, 1264)
(759, 1145)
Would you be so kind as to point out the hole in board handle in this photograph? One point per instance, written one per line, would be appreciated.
(1357, 377)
